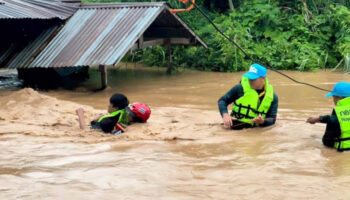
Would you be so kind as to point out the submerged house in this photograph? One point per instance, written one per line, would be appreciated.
(50, 40)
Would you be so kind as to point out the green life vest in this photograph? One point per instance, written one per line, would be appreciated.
(249, 106)
(342, 111)
(123, 117)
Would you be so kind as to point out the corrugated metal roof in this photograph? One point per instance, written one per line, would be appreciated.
(96, 36)
(100, 34)
(24, 57)
(37, 9)
(6, 53)
(122, 5)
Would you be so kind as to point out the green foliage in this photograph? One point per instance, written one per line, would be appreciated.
(288, 34)
(341, 22)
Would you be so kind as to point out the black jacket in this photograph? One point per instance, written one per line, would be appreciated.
(106, 125)
(333, 130)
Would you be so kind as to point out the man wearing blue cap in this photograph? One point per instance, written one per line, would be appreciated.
(254, 101)
(337, 134)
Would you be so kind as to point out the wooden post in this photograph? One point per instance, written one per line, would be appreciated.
(140, 42)
(103, 71)
(168, 47)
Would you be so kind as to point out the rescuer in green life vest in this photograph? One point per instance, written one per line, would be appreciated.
(254, 101)
(337, 134)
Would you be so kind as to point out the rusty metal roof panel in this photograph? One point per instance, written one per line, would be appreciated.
(98, 35)
(23, 58)
(122, 5)
(37, 9)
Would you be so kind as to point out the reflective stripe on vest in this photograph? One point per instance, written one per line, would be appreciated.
(123, 118)
(342, 111)
(248, 106)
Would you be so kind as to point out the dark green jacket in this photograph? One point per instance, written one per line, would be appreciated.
(332, 129)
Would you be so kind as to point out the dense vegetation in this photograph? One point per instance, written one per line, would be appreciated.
(288, 34)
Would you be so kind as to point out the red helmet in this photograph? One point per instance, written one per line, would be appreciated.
(141, 110)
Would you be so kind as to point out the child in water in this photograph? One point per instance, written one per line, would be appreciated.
(120, 114)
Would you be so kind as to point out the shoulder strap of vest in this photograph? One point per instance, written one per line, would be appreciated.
(245, 84)
(268, 89)
(344, 102)
(113, 114)
(268, 98)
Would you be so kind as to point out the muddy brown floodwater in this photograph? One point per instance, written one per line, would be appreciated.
(181, 153)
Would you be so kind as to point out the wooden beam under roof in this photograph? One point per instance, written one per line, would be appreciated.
(167, 32)
(141, 44)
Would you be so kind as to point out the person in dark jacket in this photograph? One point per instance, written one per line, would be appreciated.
(254, 101)
(337, 134)
(119, 115)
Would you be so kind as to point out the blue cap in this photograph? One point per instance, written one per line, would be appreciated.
(341, 89)
(255, 71)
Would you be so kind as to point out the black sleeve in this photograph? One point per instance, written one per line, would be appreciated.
(95, 125)
(107, 124)
(229, 98)
(328, 119)
(272, 113)
(332, 129)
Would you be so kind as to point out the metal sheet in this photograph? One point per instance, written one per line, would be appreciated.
(101, 35)
(97, 36)
(24, 57)
(37, 9)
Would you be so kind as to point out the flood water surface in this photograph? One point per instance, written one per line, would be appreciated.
(183, 152)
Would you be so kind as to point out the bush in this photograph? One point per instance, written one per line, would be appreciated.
(287, 34)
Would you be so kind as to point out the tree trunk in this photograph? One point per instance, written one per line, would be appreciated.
(231, 5)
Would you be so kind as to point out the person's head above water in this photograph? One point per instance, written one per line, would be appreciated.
(117, 102)
(340, 91)
(256, 76)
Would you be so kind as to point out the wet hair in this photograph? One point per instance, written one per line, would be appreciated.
(119, 100)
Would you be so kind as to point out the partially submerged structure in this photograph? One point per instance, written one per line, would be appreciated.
(67, 41)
